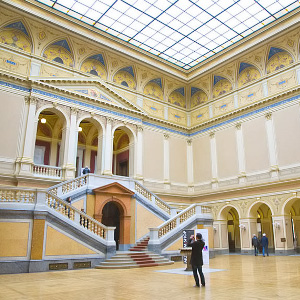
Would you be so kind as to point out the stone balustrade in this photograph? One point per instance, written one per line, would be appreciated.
(47, 171)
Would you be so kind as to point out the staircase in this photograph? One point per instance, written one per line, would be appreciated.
(136, 257)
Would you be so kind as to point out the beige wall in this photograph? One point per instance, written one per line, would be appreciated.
(227, 153)
(178, 160)
(202, 159)
(10, 121)
(12, 234)
(145, 219)
(287, 131)
(255, 143)
(153, 155)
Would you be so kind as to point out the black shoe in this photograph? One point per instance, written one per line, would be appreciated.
(203, 285)
(196, 285)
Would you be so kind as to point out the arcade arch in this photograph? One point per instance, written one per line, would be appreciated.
(49, 139)
(292, 214)
(123, 152)
(89, 146)
(263, 223)
(232, 232)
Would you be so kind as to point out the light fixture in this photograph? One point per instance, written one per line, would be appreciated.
(277, 225)
(215, 229)
(79, 128)
(43, 120)
(242, 226)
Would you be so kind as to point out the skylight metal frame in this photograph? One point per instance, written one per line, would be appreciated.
(165, 28)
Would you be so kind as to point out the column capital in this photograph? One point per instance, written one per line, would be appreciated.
(268, 116)
(109, 120)
(140, 128)
(166, 136)
(74, 110)
(30, 100)
(189, 142)
(238, 126)
(212, 134)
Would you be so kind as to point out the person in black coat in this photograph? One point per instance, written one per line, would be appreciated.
(86, 170)
(255, 243)
(196, 258)
(264, 243)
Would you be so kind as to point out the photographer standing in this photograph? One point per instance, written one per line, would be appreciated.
(196, 258)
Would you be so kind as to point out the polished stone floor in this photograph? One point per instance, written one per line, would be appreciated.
(227, 277)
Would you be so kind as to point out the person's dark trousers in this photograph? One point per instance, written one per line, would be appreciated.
(255, 251)
(199, 268)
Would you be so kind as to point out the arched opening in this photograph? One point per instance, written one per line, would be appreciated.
(48, 143)
(234, 241)
(229, 230)
(89, 147)
(111, 216)
(292, 209)
(121, 153)
(263, 215)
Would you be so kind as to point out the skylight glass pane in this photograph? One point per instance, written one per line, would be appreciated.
(107, 21)
(66, 3)
(92, 14)
(183, 28)
(80, 8)
(86, 2)
(61, 8)
(47, 2)
(74, 14)
(100, 7)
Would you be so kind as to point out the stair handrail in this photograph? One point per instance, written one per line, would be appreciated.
(74, 214)
(152, 197)
(183, 216)
(69, 185)
(78, 182)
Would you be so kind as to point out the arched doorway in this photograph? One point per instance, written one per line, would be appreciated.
(48, 143)
(89, 147)
(292, 209)
(229, 229)
(121, 153)
(111, 216)
(234, 240)
(263, 216)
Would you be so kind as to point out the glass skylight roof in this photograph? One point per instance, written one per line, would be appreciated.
(183, 32)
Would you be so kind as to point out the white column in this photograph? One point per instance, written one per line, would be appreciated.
(190, 166)
(53, 152)
(272, 145)
(166, 161)
(214, 164)
(30, 137)
(100, 156)
(139, 153)
(108, 148)
(87, 156)
(70, 149)
(240, 153)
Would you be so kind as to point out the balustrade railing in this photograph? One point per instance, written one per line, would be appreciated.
(149, 196)
(76, 215)
(182, 217)
(47, 171)
(15, 195)
(74, 184)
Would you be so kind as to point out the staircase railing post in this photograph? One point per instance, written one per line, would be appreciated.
(40, 200)
(110, 242)
(154, 243)
(198, 209)
(173, 212)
